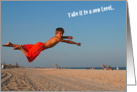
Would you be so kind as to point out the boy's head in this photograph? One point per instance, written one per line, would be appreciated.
(59, 30)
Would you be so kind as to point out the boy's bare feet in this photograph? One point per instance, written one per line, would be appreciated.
(8, 44)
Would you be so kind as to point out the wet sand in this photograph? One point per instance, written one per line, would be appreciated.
(34, 79)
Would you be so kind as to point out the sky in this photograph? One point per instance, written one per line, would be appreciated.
(102, 33)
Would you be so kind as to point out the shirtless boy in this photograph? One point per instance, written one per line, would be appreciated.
(31, 51)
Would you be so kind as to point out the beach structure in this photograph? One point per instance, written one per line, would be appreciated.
(55, 65)
(16, 65)
(58, 67)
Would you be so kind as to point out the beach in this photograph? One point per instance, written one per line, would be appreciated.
(44, 79)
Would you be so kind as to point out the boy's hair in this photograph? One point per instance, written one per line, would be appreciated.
(58, 30)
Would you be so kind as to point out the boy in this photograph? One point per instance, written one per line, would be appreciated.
(31, 51)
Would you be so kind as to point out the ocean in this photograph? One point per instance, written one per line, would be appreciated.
(120, 68)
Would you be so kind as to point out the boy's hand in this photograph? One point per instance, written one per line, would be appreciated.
(70, 37)
(78, 44)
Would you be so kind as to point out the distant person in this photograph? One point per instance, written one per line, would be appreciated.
(92, 68)
(3, 66)
(31, 51)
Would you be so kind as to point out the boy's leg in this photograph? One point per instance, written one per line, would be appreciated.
(20, 47)
(16, 47)
(23, 50)
(9, 44)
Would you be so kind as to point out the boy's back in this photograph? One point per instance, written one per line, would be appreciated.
(52, 42)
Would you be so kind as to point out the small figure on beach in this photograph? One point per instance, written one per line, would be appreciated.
(106, 68)
(31, 51)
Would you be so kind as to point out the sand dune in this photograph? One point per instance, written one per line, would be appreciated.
(33, 79)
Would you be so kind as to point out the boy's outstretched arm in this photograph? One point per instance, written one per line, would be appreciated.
(71, 42)
(67, 37)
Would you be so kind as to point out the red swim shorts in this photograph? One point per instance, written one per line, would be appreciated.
(33, 50)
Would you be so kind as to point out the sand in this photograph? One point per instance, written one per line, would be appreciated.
(34, 79)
